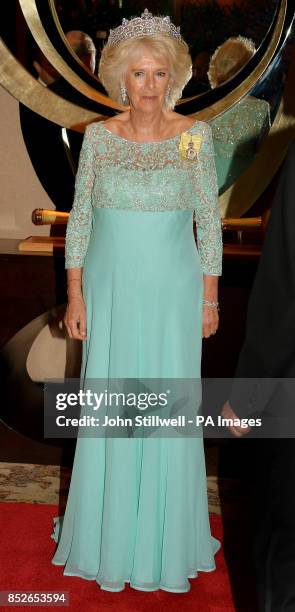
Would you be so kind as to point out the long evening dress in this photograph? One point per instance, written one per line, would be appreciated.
(137, 508)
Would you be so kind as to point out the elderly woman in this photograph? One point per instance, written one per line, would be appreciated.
(140, 296)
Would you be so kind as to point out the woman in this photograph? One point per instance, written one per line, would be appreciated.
(140, 297)
(238, 132)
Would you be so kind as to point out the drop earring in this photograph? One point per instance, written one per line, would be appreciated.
(123, 93)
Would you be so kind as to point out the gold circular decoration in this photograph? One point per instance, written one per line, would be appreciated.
(33, 20)
(22, 86)
(31, 15)
(245, 87)
(238, 198)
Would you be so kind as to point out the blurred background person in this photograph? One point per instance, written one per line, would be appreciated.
(53, 150)
(47, 74)
(199, 83)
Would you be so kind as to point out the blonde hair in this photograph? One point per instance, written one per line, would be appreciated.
(229, 58)
(114, 62)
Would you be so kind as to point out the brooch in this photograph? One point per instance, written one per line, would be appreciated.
(189, 145)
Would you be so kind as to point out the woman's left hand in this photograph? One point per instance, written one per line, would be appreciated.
(210, 321)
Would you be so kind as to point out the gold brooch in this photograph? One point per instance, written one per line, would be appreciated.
(189, 145)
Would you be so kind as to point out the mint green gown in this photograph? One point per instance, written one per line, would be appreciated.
(137, 508)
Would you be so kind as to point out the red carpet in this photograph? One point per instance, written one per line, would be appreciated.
(27, 549)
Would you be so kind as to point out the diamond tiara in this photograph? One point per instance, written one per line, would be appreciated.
(145, 25)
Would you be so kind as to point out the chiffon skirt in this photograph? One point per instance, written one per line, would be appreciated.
(137, 508)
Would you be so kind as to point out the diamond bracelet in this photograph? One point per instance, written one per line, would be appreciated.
(214, 304)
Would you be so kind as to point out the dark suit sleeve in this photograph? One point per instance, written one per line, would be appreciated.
(250, 396)
(268, 350)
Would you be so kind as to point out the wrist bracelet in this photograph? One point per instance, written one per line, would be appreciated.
(213, 304)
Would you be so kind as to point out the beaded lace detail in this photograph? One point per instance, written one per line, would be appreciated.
(239, 131)
(118, 173)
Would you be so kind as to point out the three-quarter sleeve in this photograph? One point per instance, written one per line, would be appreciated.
(80, 219)
(207, 210)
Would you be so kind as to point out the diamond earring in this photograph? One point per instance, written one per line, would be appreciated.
(123, 93)
(167, 94)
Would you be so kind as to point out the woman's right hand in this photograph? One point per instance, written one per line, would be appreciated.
(75, 318)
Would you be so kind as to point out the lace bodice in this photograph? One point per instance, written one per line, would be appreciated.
(115, 172)
(238, 131)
